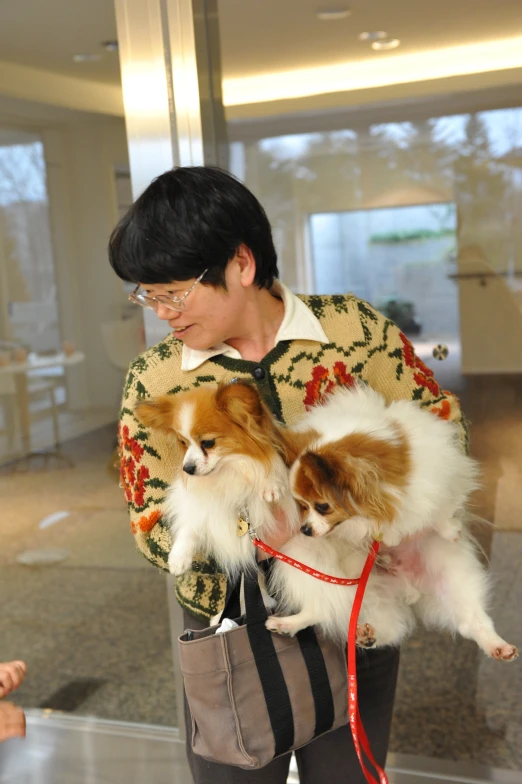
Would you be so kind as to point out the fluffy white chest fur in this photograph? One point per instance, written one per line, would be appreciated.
(204, 513)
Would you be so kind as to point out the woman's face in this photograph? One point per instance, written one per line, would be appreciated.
(211, 315)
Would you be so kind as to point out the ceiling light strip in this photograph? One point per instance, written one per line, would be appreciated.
(379, 72)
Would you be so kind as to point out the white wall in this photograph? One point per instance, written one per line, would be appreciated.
(81, 158)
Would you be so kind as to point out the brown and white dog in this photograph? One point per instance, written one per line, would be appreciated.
(230, 457)
(394, 472)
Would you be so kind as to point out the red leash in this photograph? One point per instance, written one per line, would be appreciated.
(359, 735)
(301, 566)
(356, 724)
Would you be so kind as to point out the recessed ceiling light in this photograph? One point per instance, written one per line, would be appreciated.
(387, 43)
(333, 14)
(86, 58)
(375, 35)
(110, 46)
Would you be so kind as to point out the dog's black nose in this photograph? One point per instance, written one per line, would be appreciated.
(307, 529)
(190, 468)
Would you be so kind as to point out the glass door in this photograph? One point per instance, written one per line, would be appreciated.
(414, 206)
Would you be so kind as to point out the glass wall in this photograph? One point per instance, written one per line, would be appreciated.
(421, 218)
(85, 611)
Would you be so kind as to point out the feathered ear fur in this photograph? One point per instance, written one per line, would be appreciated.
(242, 403)
(296, 442)
(362, 489)
(354, 484)
(157, 413)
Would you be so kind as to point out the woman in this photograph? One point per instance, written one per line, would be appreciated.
(199, 248)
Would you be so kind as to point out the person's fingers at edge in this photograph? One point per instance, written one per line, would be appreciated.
(7, 683)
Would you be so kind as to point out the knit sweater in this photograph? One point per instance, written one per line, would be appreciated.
(292, 377)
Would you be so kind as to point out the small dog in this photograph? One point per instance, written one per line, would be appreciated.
(232, 457)
(386, 471)
(396, 473)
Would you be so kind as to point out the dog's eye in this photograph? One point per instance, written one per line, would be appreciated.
(182, 442)
(302, 506)
(208, 443)
(322, 508)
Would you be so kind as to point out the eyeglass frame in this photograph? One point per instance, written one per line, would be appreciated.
(163, 299)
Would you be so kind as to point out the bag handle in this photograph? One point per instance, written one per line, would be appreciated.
(255, 611)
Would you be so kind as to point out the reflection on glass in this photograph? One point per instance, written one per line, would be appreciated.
(422, 218)
(402, 261)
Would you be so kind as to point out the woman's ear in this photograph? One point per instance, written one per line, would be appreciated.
(247, 264)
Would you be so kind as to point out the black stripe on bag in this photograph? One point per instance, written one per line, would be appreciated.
(232, 607)
(269, 669)
(319, 681)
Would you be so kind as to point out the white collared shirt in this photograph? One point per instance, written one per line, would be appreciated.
(299, 323)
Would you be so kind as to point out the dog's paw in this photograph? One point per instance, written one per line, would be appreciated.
(271, 492)
(365, 635)
(180, 561)
(451, 530)
(288, 627)
(504, 652)
(391, 538)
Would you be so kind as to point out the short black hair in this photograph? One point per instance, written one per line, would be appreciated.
(189, 219)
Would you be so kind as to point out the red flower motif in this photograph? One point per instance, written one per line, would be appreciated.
(428, 382)
(321, 385)
(139, 486)
(407, 350)
(136, 449)
(443, 410)
(423, 368)
(342, 377)
(132, 476)
(147, 523)
(127, 476)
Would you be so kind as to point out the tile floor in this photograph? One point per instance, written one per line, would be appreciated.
(100, 617)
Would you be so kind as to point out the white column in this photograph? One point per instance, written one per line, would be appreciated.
(171, 79)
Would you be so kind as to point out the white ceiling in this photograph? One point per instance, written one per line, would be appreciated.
(45, 34)
(257, 36)
(275, 35)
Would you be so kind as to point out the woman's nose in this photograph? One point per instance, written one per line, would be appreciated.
(165, 313)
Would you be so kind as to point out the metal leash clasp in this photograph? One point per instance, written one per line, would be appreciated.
(243, 522)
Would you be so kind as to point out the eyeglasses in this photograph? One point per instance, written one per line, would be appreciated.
(174, 303)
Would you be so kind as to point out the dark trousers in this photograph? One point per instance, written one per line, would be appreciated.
(331, 758)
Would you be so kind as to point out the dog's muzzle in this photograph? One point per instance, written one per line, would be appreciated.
(190, 468)
(307, 529)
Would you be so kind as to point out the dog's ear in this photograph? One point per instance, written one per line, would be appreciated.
(361, 486)
(157, 412)
(242, 402)
(354, 483)
(294, 443)
(318, 469)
